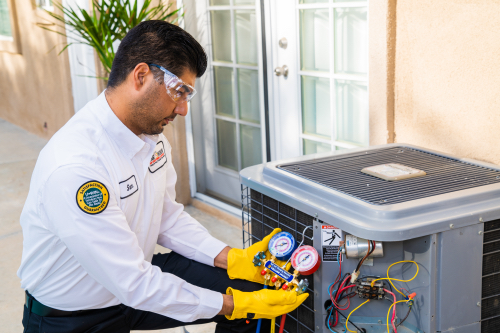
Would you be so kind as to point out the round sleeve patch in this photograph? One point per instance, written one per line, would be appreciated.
(92, 197)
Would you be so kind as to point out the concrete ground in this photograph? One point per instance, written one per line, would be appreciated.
(18, 153)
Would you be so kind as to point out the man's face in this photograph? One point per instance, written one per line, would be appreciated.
(155, 108)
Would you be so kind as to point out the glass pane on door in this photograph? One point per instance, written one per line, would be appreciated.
(352, 117)
(219, 2)
(224, 91)
(314, 40)
(251, 146)
(246, 37)
(248, 95)
(226, 144)
(316, 116)
(351, 40)
(221, 35)
(314, 147)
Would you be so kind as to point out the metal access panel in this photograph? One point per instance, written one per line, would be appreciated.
(447, 220)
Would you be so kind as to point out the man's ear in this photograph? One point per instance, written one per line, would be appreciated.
(139, 75)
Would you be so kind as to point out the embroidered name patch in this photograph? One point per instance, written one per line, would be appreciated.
(92, 197)
(159, 158)
(128, 187)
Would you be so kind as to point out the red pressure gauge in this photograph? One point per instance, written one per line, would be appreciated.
(305, 260)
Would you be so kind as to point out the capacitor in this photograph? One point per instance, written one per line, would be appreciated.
(282, 245)
(356, 247)
(306, 260)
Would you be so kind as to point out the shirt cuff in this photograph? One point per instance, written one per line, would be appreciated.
(210, 303)
(208, 250)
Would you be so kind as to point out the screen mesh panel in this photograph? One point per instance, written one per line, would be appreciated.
(343, 173)
(490, 303)
(261, 214)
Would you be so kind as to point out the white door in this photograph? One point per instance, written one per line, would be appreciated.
(318, 103)
(322, 104)
(228, 118)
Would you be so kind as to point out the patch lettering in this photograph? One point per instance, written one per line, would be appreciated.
(159, 158)
(92, 197)
(128, 187)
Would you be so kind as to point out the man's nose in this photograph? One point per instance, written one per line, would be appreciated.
(181, 109)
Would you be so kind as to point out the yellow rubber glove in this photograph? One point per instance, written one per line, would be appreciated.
(265, 303)
(240, 265)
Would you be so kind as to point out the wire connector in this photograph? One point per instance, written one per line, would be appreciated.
(354, 276)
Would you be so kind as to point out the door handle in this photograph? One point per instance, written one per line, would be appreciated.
(278, 71)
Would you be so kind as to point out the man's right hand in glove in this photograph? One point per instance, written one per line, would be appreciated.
(265, 303)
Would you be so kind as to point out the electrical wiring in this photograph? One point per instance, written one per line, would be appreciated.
(336, 296)
(368, 252)
(389, 312)
(393, 309)
(393, 279)
(347, 321)
(328, 321)
(407, 314)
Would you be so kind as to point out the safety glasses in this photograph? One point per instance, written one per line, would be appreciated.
(176, 88)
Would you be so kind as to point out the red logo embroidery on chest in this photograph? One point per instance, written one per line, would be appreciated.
(157, 156)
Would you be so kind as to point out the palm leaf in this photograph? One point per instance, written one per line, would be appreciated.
(107, 22)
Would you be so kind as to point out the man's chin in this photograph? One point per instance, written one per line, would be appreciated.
(155, 131)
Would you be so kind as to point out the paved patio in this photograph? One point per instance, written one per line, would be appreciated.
(18, 153)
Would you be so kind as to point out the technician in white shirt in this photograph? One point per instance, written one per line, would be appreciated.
(102, 195)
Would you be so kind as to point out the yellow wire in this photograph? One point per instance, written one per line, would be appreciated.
(389, 312)
(273, 324)
(347, 320)
(388, 278)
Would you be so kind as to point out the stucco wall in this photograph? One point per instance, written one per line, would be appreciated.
(35, 86)
(447, 76)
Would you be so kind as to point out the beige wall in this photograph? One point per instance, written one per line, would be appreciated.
(35, 86)
(445, 86)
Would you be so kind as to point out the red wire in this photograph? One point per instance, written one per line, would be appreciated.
(339, 292)
(282, 323)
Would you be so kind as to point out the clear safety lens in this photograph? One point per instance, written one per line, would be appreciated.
(177, 89)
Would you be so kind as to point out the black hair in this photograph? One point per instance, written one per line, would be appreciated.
(161, 43)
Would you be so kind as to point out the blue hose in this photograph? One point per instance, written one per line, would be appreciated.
(259, 322)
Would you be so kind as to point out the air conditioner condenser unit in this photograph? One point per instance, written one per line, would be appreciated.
(404, 203)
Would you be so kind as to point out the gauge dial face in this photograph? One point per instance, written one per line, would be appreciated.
(304, 258)
(282, 244)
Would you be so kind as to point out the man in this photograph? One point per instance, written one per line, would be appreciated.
(103, 194)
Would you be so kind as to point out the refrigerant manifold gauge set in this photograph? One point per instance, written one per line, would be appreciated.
(283, 247)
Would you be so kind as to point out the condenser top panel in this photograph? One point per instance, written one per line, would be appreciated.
(437, 174)
(449, 192)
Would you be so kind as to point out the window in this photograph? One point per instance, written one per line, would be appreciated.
(9, 33)
(5, 24)
(333, 74)
(45, 4)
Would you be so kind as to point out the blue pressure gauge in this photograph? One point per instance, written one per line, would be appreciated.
(282, 245)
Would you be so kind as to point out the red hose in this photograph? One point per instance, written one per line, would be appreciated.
(282, 323)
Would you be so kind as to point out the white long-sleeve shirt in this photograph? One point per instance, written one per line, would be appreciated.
(100, 198)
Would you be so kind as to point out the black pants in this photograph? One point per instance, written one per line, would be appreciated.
(122, 318)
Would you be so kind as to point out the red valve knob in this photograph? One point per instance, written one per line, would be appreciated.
(263, 272)
(285, 287)
(248, 321)
(274, 279)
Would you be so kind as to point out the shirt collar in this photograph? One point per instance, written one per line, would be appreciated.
(124, 138)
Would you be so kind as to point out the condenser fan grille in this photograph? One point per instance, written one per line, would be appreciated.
(343, 173)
